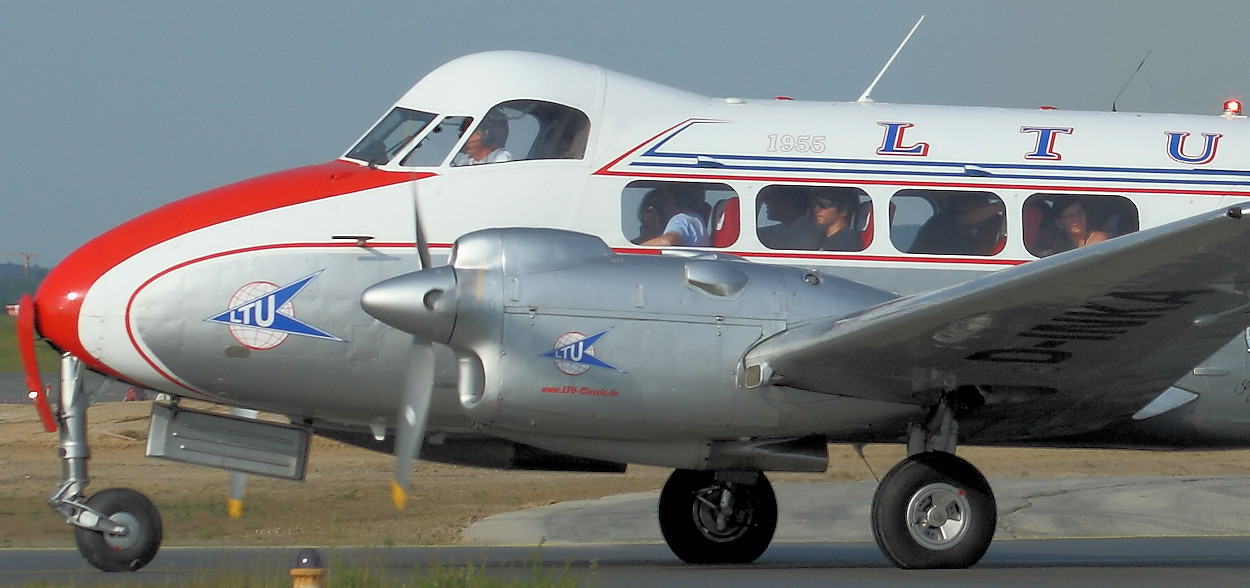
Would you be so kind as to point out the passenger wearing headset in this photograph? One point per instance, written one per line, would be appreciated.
(485, 144)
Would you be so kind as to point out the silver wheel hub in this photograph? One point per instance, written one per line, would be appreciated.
(128, 540)
(938, 516)
(717, 515)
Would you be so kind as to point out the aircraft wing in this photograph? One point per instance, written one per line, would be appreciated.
(1101, 329)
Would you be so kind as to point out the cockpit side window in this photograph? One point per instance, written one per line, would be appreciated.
(387, 138)
(433, 148)
(526, 129)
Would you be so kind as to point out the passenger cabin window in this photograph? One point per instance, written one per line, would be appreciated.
(947, 222)
(827, 218)
(387, 138)
(681, 214)
(1053, 222)
(434, 147)
(526, 129)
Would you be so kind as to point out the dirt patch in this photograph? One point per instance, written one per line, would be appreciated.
(346, 499)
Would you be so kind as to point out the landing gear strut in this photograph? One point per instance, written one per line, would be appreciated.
(116, 529)
(717, 517)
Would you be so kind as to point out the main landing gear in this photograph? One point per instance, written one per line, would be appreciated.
(932, 510)
(117, 529)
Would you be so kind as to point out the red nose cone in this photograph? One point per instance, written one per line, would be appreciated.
(59, 300)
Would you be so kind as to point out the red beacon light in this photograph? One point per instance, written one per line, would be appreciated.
(1232, 108)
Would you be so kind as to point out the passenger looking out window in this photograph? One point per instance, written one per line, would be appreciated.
(1074, 225)
(650, 217)
(1054, 223)
(834, 214)
(829, 218)
(789, 208)
(681, 209)
(686, 214)
(964, 223)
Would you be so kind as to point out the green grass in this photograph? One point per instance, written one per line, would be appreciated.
(11, 361)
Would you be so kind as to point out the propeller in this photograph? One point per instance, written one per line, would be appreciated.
(389, 304)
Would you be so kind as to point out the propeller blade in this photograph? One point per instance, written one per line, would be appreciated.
(413, 411)
(26, 347)
(423, 246)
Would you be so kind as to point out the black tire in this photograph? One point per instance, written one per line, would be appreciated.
(929, 488)
(122, 553)
(689, 524)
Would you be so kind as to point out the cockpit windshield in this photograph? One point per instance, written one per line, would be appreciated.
(385, 140)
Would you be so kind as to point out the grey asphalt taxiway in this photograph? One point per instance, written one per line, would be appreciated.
(1140, 562)
(1097, 531)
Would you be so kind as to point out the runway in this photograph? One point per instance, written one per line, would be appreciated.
(1204, 561)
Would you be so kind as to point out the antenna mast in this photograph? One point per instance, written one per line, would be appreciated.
(1126, 82)
(863, 98)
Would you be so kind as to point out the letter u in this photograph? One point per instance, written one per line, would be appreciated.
(265, 311)
(1176, 147)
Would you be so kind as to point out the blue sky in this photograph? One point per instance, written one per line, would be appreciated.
(109, 109)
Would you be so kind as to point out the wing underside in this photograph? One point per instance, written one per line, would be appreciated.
(1055, 346)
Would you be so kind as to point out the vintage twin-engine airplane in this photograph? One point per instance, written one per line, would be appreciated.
(831, 273)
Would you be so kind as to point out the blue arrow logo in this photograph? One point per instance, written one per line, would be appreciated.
(265, 312)
(574, 353)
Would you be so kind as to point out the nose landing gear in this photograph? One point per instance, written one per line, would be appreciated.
(116, 529)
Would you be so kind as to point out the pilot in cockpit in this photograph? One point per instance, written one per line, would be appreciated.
(486, 143)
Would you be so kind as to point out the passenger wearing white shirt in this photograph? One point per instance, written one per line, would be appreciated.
(685, 226)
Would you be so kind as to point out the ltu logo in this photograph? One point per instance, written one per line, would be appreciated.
(574, 353)
(261, 315)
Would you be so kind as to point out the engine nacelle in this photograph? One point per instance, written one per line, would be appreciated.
(558, 335)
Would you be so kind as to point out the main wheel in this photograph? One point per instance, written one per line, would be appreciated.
(705, 521)
(132, 550)
(934, 510)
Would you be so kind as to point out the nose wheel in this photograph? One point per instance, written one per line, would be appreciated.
(934, 510)
(711, 519)
(140, 536)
